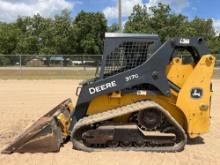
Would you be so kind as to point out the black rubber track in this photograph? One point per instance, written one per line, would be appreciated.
(83, 123)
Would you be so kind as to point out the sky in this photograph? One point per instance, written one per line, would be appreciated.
(11, 9)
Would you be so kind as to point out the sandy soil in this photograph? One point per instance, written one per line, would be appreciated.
(23, 101)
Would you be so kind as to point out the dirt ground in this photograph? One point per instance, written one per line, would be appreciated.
(24, 101)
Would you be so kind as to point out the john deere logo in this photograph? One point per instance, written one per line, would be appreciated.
(196, 93)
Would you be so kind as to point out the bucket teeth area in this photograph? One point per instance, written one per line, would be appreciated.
(47, 134)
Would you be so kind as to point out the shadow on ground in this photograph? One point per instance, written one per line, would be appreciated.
(197, 140)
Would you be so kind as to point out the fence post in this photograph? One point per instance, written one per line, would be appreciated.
(20, 60)
(62, 67)
(84, 66)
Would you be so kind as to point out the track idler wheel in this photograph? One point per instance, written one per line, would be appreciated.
(149, 119)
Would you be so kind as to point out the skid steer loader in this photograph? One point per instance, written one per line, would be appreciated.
(147, 96)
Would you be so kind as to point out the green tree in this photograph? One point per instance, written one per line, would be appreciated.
(90, 29)
(203, 28)
(84, 34)
(8, 38)
(28, 40)
(168, 24)
(113, 28)
(214, 45)
(161, 20)
(157, 19)
(36, 35)
(9, 35)
(139, 21)
(62, 30)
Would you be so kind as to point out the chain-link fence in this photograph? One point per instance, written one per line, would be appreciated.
(217, 60)
(49, 60)
(49, 66)
(55, 66)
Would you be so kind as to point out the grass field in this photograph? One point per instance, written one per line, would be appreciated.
(46, 74)
(57, 73)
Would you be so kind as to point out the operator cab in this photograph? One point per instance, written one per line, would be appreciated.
(124, 51)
